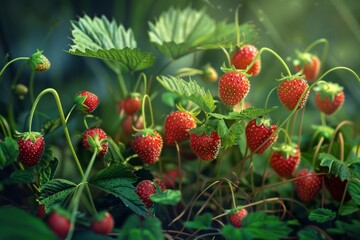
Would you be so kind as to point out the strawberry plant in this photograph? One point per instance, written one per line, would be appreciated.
(189, 152)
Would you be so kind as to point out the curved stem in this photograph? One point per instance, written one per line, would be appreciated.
(8, 63)
(31, 87)
(141, 76)
(232, 193)
(226, 54)
(68, 115)
(268, 96)
(146, 97)
(339, 68)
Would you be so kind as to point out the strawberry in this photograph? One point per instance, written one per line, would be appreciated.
(103, 223)
(148, 144)
(31, 147)
(243, 57)
(95, 138)
(329, 97)
(290, 92)
(336, 187)
(206, 145)
(146, 188)
(38, 62)
(285, 159)
(86, 101)
(258, 132)
(233, 87)
(237, 218)
(309, 64)
(308, 185)
(127, 124)
(59, 222)
(41, 211)
(131, 105)
(170, 177)
(177, 125)
(209, 74)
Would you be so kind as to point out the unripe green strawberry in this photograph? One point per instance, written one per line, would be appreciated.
(31, 147)
(146, 188)
(39, 62)
(243, 57)
(209, 74)
(86, 101)
(237, 218)
(307, 185)
(95, 138)
(177, 125)
(309, 64)
(290, 92)
(285, 159)
(329, 97)
(59, 222)
(206, 147)
(20, 90)
(233, 87)
(148, 144)
(103, 223)
(258, 132)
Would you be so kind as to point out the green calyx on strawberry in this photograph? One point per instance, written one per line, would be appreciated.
(86, 101)
(39, 62)
(176, 126)
(307, 64)
(148, 143)
(205, 142)
(329, 97)
(31, 147)
(285, 159)
(95, 139)
(291, 89)
(103, 223)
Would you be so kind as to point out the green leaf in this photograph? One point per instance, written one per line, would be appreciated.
(46, 174)
(354, 166)
(352, 230)
(222, 129)
(322, 215)
(310, 233)
(231, 232)
(9, 151)
(89, 235)
(201, 222)
(113, 155)
(136, 229)
(354, 190)
(348, 208)
(17, 224)
(248, 113)
(56, 192)
(118, 180)
(232, 137)
(167, 197)
(336, 167)
(104, 39)
(190, 90)
(20, 176)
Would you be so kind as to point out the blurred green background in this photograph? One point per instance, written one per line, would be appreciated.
(282, 25)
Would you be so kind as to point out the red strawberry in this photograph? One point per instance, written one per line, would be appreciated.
(146, 188)
(128, 122)
(95, 138)
(329, 97)
(103, 224)
(59, 222)
(336, 187)
(41, 211)
(170, 177)
(290, 92)
(86, 101)
(132, 105)
(148, 145)
(31, 148)
(285, 159)
(308, 185)
(243, 57)
(205, 146)
(233, 87)
(309, 64)
(259, 131)
(237, 218)
(177, 125)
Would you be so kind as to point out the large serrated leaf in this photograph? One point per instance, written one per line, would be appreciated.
(322, 215)
(20, 176)
(248, 113)
(56, 192)
(190, 90)
(137, 229)
(336, 167)
(118, 180)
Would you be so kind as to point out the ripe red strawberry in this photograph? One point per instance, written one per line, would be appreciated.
(59, 222)
(285, 159)
(177, 125)
(309, 64)
(86, 101)
(128, 122)
(95, 138)
(290, 91)
(336, 187)
(329, 97)
(258, 132)
(103, 223)
(41, 211)
(308, 185)
(31, 147)
(206, 147)
(237, 218)
(146, 188)
(131, 105)
(243, 57)
(233, 87)
(148, 145)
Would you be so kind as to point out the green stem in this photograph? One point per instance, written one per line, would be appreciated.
(322, 118)
(7, 64)
(237, 28)
(5, 127)
(68, 115)
(232, 193)
(268, 96)
(141, 76)
(146, 97)
(31, 87)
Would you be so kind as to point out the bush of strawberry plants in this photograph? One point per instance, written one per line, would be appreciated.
(214, 166)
